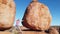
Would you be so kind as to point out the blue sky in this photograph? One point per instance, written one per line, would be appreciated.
(54, 6)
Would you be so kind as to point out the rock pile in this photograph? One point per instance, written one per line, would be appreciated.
(37, 17)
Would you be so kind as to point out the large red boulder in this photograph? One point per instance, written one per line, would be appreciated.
(37, 16)
(7, 14)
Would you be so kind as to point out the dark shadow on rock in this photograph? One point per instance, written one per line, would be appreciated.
(32, 30)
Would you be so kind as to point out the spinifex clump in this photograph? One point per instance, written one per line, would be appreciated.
(37, 16)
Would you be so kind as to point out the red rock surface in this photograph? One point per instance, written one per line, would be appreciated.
(7, 14)
(37, 16)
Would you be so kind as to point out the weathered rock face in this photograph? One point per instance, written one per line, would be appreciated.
(7, 14)
(37, 16)
(51, 30)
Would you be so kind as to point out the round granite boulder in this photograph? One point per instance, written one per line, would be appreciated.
(37, 16)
